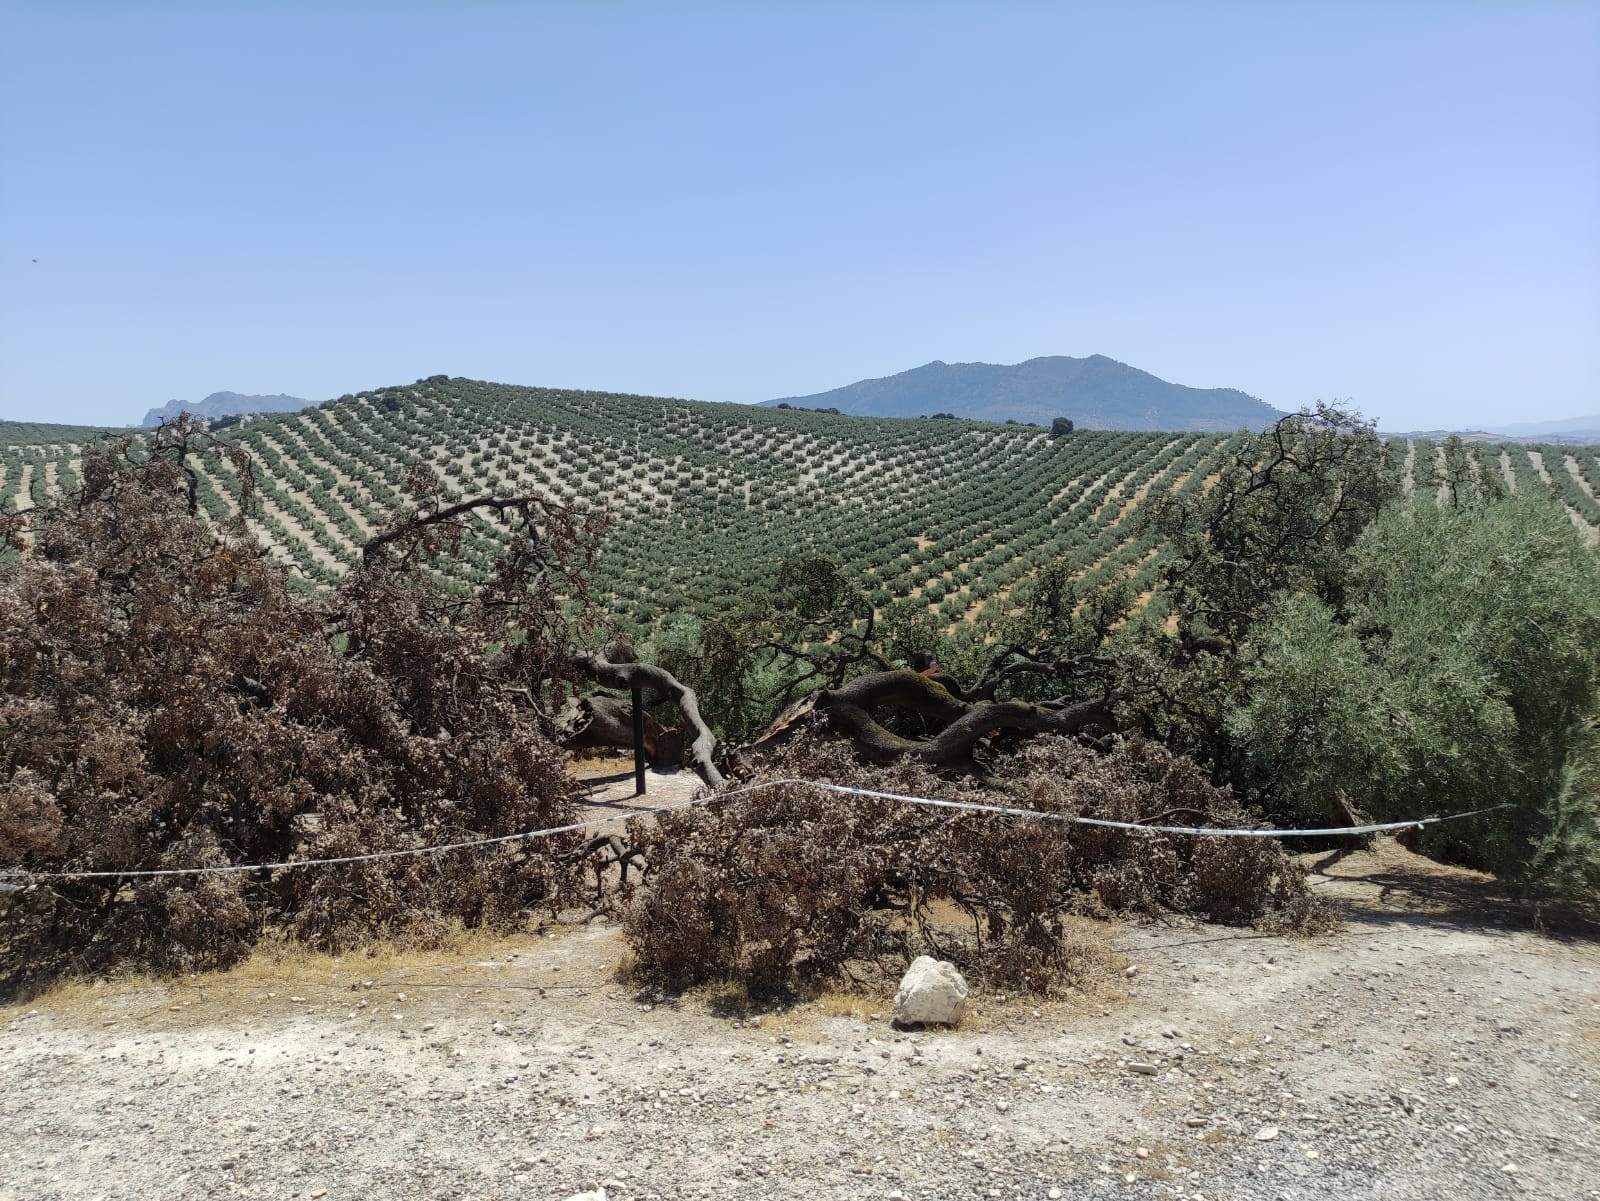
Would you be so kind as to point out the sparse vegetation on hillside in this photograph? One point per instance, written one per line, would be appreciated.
(952, 517)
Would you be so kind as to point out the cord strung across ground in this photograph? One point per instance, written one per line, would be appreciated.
(16, 877)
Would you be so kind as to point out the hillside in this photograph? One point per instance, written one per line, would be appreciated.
(706, 498)
(47, 433)
(1097, 393)
(225, 404)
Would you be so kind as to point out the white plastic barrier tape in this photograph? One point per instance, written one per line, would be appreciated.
(1043, 815)
(289, 864)
(12, 876)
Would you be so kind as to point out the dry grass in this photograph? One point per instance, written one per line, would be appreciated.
(479, 974)
(282, 976)
(1097, 985)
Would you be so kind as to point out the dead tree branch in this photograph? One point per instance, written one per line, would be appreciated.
(663, 684)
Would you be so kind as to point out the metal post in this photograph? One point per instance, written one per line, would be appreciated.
(638, 742)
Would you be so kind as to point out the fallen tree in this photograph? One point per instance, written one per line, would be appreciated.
(615, 668)
(852, 709)
(603, 720)
(169, 700)
(1282, 513)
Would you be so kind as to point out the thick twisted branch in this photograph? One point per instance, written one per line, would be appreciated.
(850, 708)
(663, 684)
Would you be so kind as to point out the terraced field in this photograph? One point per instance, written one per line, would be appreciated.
(707, 498)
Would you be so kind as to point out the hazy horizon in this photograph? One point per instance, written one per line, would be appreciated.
(1395, 206)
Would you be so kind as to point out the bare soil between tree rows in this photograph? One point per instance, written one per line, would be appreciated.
(1438, 1046)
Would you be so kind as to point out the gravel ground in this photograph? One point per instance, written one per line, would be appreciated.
(1435, 1048)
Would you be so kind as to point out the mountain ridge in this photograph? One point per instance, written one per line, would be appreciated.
(1095, 392)
(225, 404)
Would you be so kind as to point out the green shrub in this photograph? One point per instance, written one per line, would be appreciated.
(1464, 674)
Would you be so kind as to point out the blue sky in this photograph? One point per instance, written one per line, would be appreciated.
(1396, 204)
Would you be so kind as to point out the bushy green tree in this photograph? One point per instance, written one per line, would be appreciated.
(1464, 674)
(1282, 516)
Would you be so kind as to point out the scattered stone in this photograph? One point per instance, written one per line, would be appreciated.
(932, 992)
(1140, 1068)
(1266, 1134)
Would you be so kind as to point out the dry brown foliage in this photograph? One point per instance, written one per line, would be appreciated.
(168, 699)
(791, 888)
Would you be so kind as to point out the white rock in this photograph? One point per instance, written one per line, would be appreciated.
(1266, 1134)
(598, 1194)
(931, 992)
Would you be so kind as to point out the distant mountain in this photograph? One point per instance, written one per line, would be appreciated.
(1442, 435)
(225, 404)
(1096, 393)
(1572, 431)
(1556, 431)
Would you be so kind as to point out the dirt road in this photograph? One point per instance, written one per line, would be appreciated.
(1435, 1048)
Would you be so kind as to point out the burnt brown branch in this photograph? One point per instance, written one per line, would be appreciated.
(408, 529)
(168, 700)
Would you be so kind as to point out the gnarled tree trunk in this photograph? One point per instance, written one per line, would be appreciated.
(602, 720)
(850, 710)
(663, 684)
